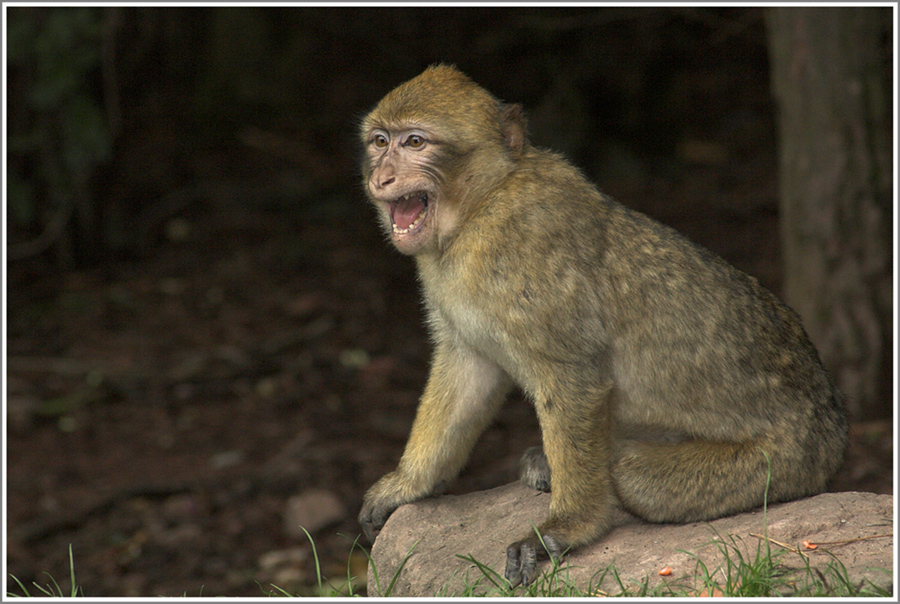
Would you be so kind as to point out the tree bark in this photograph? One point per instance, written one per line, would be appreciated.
(831, 71)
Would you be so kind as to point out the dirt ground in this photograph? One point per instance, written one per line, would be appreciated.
(163, 408)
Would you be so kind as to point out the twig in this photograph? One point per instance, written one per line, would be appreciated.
(780, 544)
(846, 541)
(818, 543)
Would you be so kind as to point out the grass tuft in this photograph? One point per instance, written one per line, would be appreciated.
(52, 589)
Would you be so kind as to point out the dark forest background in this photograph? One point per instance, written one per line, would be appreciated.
(206, 331)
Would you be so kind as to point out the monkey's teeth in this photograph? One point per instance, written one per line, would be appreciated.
(420, 217)
(414, 225)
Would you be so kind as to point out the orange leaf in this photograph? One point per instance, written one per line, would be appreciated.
(809, 544)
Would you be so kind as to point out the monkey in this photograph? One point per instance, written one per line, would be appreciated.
(666, 382)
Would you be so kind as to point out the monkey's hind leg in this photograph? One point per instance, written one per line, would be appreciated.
(534, 470)
(701, 480)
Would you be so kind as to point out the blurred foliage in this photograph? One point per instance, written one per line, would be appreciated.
(123, 118)
(58, 129)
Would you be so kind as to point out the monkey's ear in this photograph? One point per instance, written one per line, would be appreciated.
(514, 127)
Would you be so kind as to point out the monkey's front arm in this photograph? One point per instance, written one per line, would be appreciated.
(463, 394)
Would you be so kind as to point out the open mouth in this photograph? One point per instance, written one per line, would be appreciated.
(408, 212)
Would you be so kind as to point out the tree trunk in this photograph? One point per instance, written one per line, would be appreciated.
(831, 73)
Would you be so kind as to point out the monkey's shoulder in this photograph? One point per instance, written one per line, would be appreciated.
(547, 202)
(560, 232)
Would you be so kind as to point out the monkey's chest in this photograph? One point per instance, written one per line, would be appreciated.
(518, 324)
(518, 351)
(481, 331)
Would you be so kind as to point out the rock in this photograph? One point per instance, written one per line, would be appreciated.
(313, 510)
(295, 556)
(185, 507)
(482, 524)
(285, 568)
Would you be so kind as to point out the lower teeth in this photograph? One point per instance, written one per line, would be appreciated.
(415, 224)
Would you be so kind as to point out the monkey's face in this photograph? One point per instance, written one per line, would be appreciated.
(402, 183)
(434, 146)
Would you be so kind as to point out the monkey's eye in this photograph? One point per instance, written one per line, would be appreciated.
(380, 140)
(415, 141)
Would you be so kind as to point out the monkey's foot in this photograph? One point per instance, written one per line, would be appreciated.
(522, 557)
(534, 471)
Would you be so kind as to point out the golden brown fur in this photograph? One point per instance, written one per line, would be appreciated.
(665, 381)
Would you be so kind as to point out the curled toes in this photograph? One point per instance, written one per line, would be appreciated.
(521, 563)
(522, 557)
(534, 470)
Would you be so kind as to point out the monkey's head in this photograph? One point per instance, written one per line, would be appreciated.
(434, 147)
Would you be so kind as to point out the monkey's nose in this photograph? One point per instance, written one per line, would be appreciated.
(382, 182)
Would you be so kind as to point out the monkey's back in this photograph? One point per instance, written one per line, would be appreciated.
(691, 344)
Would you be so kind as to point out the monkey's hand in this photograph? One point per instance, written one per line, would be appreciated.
(381, 500)
(372, 517)
(522, 556)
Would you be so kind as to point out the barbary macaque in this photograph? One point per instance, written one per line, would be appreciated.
(666, 382)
